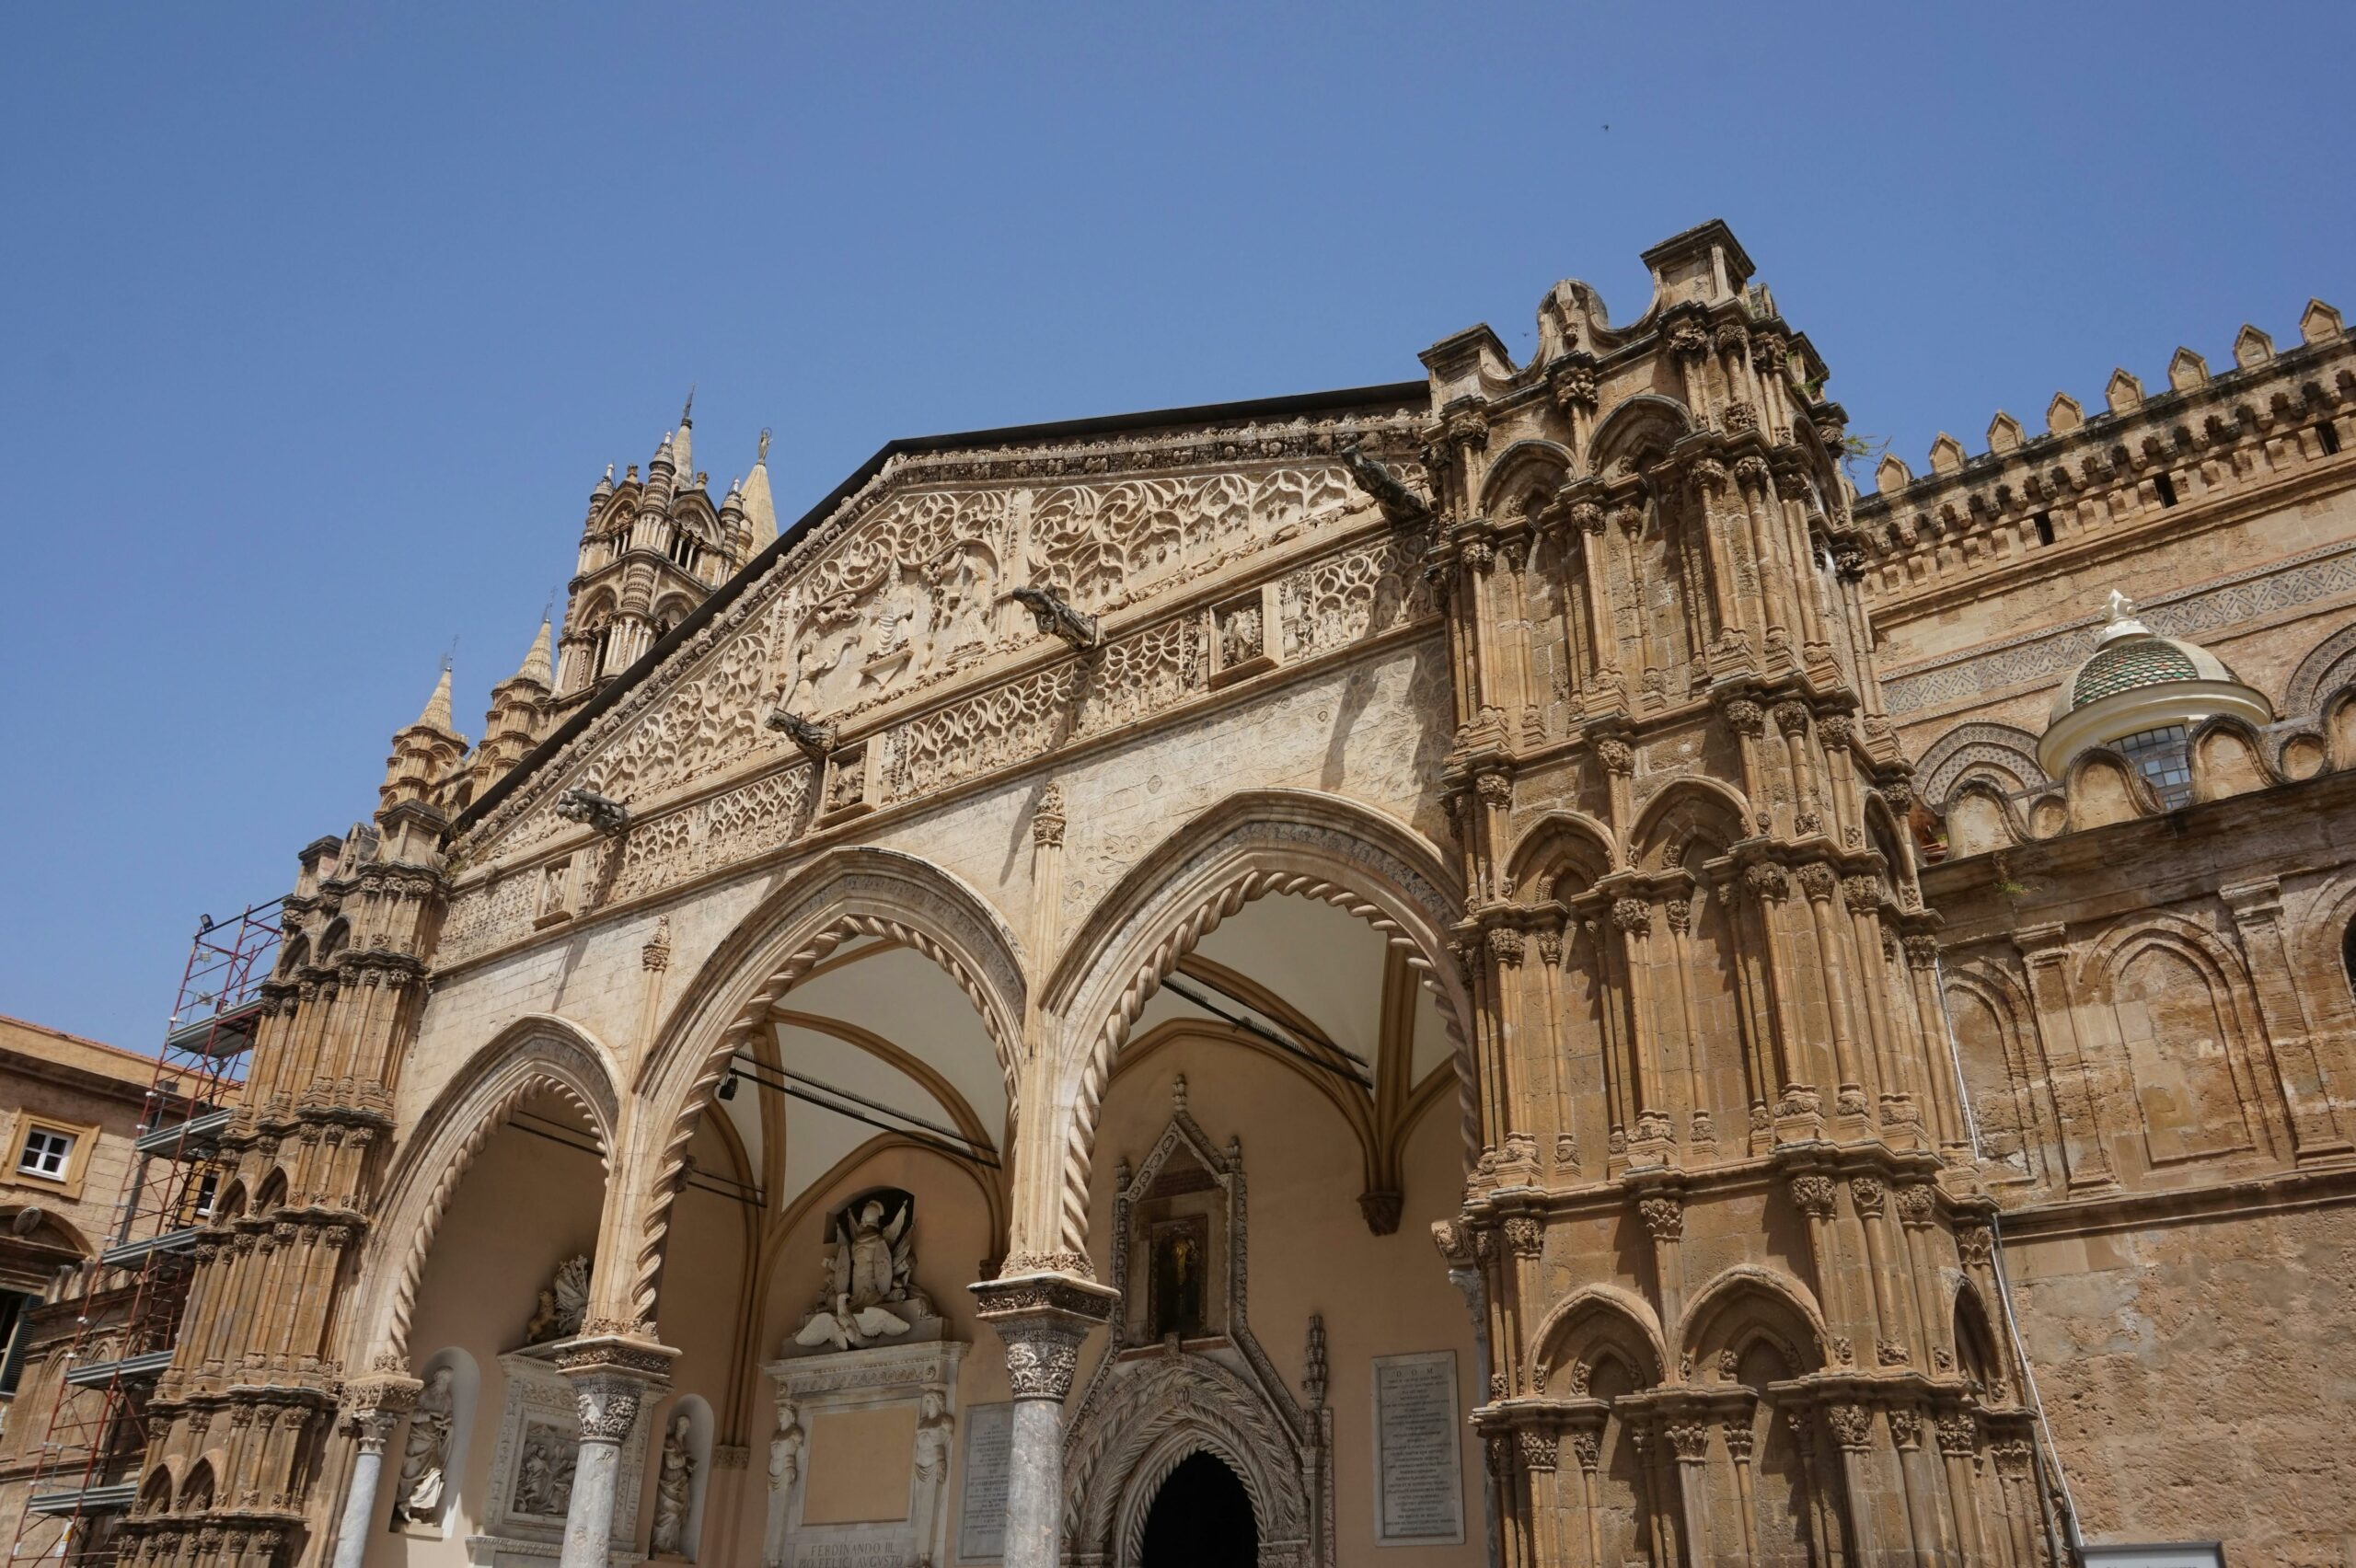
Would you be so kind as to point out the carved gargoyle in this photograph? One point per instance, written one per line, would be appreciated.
(582, 805)
(1402, 506)
(814, 739)
(1047, 608)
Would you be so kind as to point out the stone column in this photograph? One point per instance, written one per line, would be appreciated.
(1041, 1318)
(360, 1501)
(374, 1406)
(613, 1377)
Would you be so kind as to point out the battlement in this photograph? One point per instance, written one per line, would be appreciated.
(2202, 440)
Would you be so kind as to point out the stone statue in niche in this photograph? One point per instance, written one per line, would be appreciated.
(425, 1456)
(936, 1430)
(562, 1304)
(870, 1289)
(1180, 1250)
(785, 1469)
(672, 1488)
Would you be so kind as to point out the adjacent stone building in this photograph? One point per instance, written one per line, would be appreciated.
(947, 1033)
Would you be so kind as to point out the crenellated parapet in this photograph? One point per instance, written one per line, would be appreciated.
(2170, 456)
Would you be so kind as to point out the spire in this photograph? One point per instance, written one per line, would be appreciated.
(760, 512)
(536, 663)
(683, 445)
(437, 707)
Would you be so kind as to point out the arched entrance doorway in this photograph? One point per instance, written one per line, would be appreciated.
(1200, 1518)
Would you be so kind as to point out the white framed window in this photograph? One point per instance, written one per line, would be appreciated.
(208, 1189)
(46, 1154)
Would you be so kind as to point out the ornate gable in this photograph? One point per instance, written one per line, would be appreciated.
(894, 621)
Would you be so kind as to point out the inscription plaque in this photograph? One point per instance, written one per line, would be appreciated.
(981, 1496)
(1418, 1474)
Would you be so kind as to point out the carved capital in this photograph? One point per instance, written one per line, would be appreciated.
(1818, 881)
(1814, 1195)
(1737, 1432)
(1632, 916)
(1687, 341)
(1041, 1318)
(1958, 1435)
(1753, 471)
(1905, 1427)
(1493, 788)
(1921, 953)
(1680, 915)
(1792, 718)
(1587, 517)
(1047, 818)
(1915, 1203)
(1525, 1237)
(1747, 716)
(1506, 946)
(1852, 1425)
(1616, 756)
(1862, 893)
(1975, 1245)
(1690, 1440)
(1765, 879)
(1868, 1195)
(1537, 1445)
(1664, 1217)
(607, 1406)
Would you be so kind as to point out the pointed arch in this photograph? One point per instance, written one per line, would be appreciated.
(1558, 835)
(1702, 796)
(1520, 464)
(842, 896)
(1631, 420)
(2328, 665)
(1602, 1317)
(1246, 847)
(1745, 1302)
(540, 1054)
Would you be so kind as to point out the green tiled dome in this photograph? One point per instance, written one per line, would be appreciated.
(2130, 662)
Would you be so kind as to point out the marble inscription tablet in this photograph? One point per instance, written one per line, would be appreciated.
(981, 1506)
(1418, 1474)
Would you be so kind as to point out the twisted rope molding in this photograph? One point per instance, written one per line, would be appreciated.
(1080, 1144)
(671, 1173)
(403, 1304)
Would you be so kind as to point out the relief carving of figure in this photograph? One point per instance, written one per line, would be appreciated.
(870, 1269)
(425, 1456)
(543, 1473)
(672, 1489)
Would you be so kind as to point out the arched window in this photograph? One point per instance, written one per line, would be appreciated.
(2348, 954)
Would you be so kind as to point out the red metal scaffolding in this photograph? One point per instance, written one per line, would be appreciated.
(129, 1296)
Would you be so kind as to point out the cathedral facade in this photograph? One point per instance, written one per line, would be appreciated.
(1498, 969)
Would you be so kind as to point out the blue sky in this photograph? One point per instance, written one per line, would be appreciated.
(321, 321)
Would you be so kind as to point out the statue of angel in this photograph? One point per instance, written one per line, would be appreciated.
(870, 1265)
